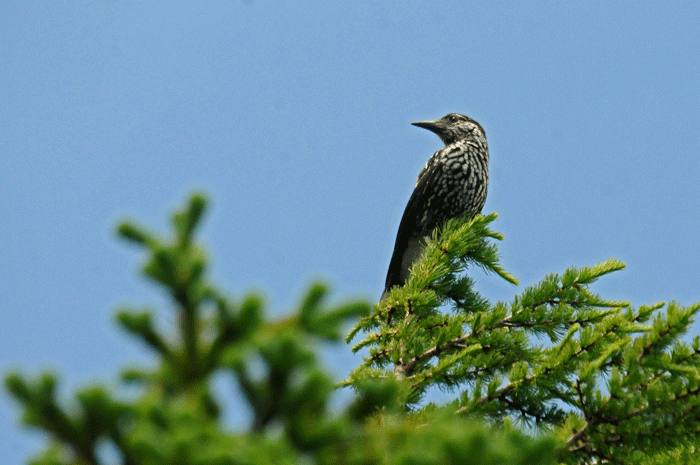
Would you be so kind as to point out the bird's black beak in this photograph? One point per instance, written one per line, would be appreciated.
(432, 126)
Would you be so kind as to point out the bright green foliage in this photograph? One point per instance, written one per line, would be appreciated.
(557, 375)
(613, 383)
(175, 418)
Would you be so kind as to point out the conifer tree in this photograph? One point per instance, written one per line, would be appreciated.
(613, 383)
(557, 375)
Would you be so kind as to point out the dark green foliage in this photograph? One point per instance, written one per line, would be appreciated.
(590, 380)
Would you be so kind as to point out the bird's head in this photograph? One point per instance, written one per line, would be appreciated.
(454, 127)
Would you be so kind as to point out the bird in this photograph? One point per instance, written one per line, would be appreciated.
(453, 183)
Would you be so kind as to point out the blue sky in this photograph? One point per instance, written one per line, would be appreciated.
(295, 121)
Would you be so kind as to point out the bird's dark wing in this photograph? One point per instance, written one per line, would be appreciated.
(410, 229)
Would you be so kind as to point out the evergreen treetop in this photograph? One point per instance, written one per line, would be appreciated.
(557, 375)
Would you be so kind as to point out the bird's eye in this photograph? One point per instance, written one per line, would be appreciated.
(453, 118)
